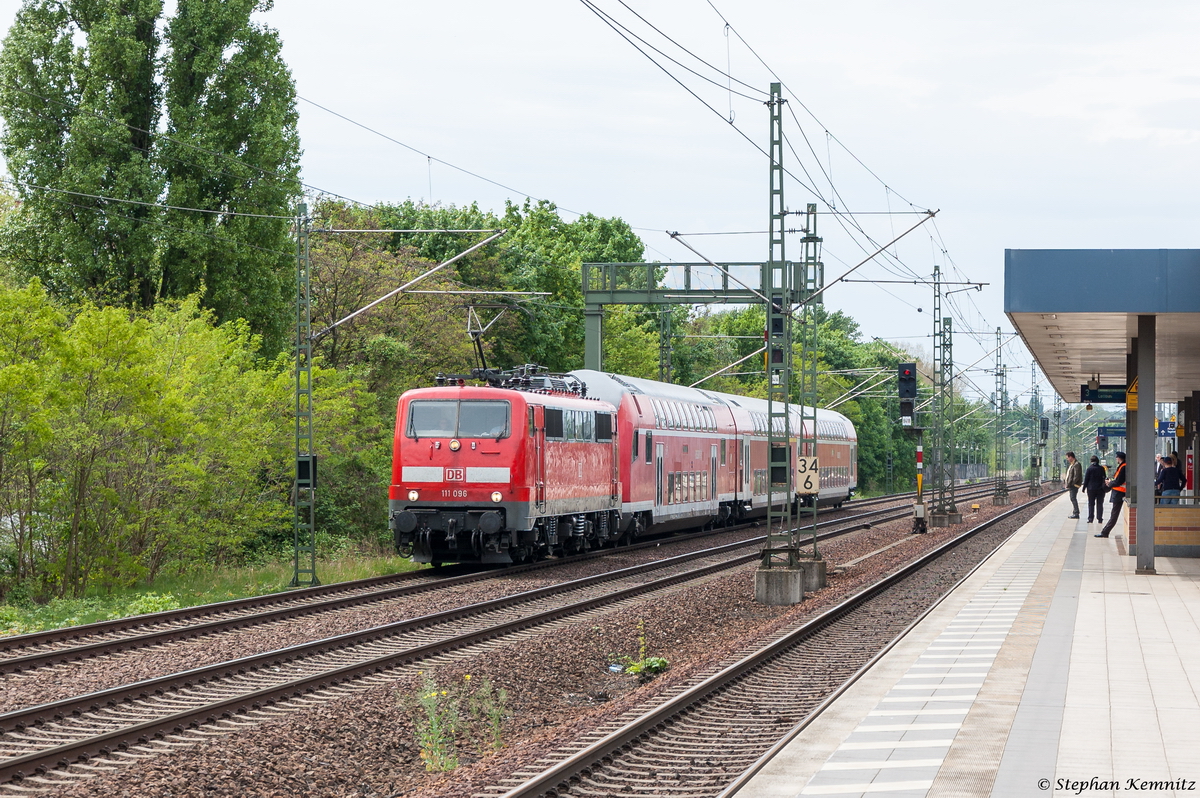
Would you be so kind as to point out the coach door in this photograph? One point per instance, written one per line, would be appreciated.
(712, 474)
(537, 414)
(746, 484)
(658, 474)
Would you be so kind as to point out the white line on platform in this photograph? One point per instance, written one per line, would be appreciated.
(886, 786)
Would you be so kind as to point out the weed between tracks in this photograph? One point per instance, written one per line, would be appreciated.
(470, 713)
(645, 668)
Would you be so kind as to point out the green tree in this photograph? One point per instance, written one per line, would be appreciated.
(78, 118)
(544, 253)
(31, 344)
(84, 86)
(232, 145)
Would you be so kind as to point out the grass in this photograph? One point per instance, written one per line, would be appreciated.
(172, 592)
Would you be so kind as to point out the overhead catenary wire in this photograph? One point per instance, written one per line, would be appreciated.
(723, 73)
(165, 137)
(408, 285)
(160, 223)
(592, 7)
(839, 142)
(13, 181)
(810, 185)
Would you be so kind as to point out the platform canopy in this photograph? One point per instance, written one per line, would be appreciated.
(1077, 310)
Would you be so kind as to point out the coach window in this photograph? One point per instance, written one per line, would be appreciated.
(554, 423)
(634, 447)
(604, 427)
(432, 419)
(649, 445)
(588, 419)
(462, 419)
(722, 451)
(569, 425)
(482, 419)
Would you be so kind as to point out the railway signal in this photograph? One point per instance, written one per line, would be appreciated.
(906, 382)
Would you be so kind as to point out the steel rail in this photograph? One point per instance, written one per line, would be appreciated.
(16, 768)
(34, 639)
(295, 604)
(557, 779)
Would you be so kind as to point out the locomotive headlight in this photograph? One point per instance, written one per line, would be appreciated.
(412, 495)
(455, 446)
(497, 495)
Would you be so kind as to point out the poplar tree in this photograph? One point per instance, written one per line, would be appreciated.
(110, 99)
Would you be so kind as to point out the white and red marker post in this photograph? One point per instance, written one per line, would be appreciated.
(919, 508)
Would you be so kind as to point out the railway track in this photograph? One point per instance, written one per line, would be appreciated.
(43, 649)
(697, 740)
(133, 721)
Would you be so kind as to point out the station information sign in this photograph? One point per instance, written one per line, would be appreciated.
(1105, 394)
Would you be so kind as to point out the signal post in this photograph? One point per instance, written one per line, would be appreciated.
(906, 384)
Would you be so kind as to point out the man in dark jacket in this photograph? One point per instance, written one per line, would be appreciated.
(1169, 482)
(1117, 488)
(1093, 486)
(1074, 480)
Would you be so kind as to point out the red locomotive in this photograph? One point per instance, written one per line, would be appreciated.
(533, 464)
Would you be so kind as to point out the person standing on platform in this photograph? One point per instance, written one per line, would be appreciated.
(1117, 484)
(1093, 486)
(1169, 482)
(1074, 482)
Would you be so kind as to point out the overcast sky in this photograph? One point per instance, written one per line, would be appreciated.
(1027, 124)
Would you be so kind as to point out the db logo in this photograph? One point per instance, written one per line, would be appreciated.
(456, 475)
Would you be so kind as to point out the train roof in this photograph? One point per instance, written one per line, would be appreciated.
(550, 398)
(611, 387)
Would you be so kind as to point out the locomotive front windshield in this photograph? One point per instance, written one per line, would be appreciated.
(450, 418)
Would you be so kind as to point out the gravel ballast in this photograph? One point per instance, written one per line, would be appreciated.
(559, 685)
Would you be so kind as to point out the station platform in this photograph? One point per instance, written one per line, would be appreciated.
(1052, 670)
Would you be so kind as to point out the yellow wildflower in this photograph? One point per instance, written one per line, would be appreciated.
(467, 677)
